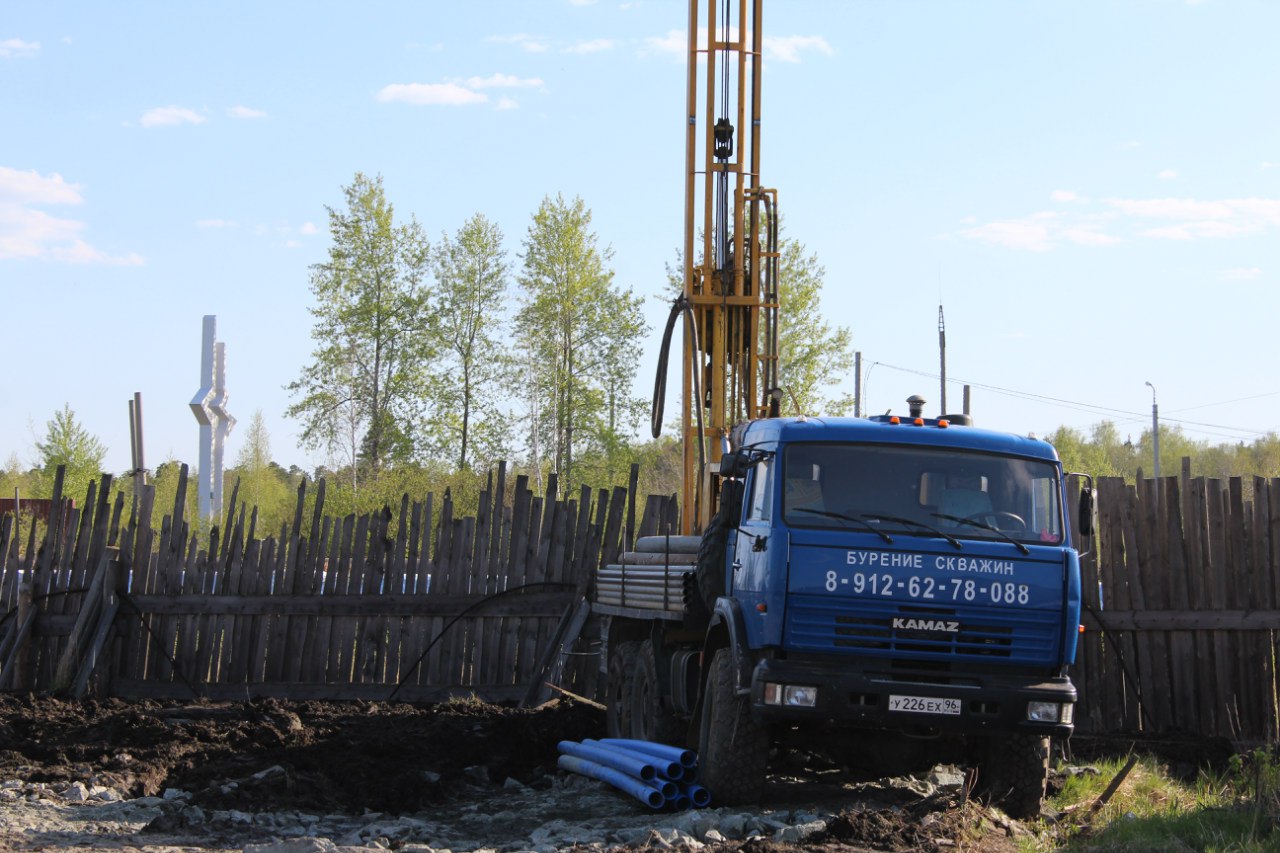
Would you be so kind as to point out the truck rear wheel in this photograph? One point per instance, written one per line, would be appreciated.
(650, 719)
(1017, 772)
(733, 749)
(622, 665)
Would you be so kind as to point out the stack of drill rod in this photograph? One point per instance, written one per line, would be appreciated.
(652, 577)
(660, 776)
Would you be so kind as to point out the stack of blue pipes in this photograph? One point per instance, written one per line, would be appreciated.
(660, 776)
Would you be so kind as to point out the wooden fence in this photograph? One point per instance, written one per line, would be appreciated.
(341, 608)
(1181, 609)
(1181, 601)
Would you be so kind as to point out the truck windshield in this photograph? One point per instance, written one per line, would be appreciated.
(915, 490)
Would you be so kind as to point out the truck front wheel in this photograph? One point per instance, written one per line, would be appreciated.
(1016, 771)
(622, 664)
(650, 719)
(733, 748)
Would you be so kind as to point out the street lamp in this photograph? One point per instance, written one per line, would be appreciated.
(1155, 437)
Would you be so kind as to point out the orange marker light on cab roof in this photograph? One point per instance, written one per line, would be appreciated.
(895, 420)
(1082, 629)
(944, 423)
(918, 422)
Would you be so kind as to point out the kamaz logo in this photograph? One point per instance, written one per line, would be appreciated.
(926, 625)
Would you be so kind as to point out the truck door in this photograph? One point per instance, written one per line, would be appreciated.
(755, 541)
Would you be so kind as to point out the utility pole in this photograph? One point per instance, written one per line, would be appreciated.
(1155, 438)
(942, 355)
(857, 384)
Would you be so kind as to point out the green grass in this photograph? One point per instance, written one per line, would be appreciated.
(1234, 812)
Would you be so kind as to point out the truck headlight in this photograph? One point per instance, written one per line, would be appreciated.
(793, 695)
(1050, 712)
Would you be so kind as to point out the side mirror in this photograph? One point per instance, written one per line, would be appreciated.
(1087, 521)
(735, 464)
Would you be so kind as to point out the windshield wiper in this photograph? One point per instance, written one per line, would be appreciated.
(983, 525)
(910, 522)
(842, 517)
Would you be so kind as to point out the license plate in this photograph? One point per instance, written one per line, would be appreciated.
(924, 705)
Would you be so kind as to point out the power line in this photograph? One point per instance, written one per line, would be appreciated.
(1232, 432)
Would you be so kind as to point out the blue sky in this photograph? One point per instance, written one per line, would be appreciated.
(1092, 189)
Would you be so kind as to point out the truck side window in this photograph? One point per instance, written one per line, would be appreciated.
(760, 489)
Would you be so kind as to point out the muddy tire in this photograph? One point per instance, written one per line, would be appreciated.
(1014, 773)
(650, 719)
(733, 749)
(622, 665)
(710, 571)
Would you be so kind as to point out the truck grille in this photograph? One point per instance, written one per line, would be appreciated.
(824, 625)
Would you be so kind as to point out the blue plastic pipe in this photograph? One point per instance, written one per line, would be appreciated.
(631, 763)
(642, 791)
(700, 795)
(686, 757)
(666, 767)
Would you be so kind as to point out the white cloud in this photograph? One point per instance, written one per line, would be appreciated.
(500, 81)
(1065, 195)
(1267, 164)
(789, 48)
(436, 94)
(29, 233)
(1029, 234)
(1241, 274)
(1089, 235)
(505, 103)
(1180, 219)
(1206, 229)
(531, 43)
(1167, 174)
(216, 223)
(1131, 145)
(674, 42)
(308, 228)
(582, 2)
(165, 116)
(1172, 208)
(31, 187)
(245, 112)
(16, 48)
(591, 46)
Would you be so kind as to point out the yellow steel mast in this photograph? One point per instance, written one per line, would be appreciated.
(730, 247)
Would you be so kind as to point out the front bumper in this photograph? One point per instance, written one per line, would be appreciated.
(990, 702)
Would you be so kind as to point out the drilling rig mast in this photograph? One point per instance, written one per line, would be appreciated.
(730, 248)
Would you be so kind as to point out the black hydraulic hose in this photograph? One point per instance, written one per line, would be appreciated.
(481, 603)
(678, 307)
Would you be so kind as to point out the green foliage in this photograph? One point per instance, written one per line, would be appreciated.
(466, 422)
(814, 356)
(581, 338)
(68, 443)
(262, 483)
(165, 482)
(1234, 811)
(14, 478)
(364, 385)
(1104, 454)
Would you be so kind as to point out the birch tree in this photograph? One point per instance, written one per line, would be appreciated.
(467, 422)
(370, 331)
(576, 325)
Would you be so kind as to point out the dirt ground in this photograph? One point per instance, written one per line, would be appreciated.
(400, 759)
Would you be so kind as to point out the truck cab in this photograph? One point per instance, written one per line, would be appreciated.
(899, 574)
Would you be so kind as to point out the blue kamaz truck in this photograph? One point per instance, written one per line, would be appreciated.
(906, 575)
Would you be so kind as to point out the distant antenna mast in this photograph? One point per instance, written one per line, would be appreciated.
(942, 355)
